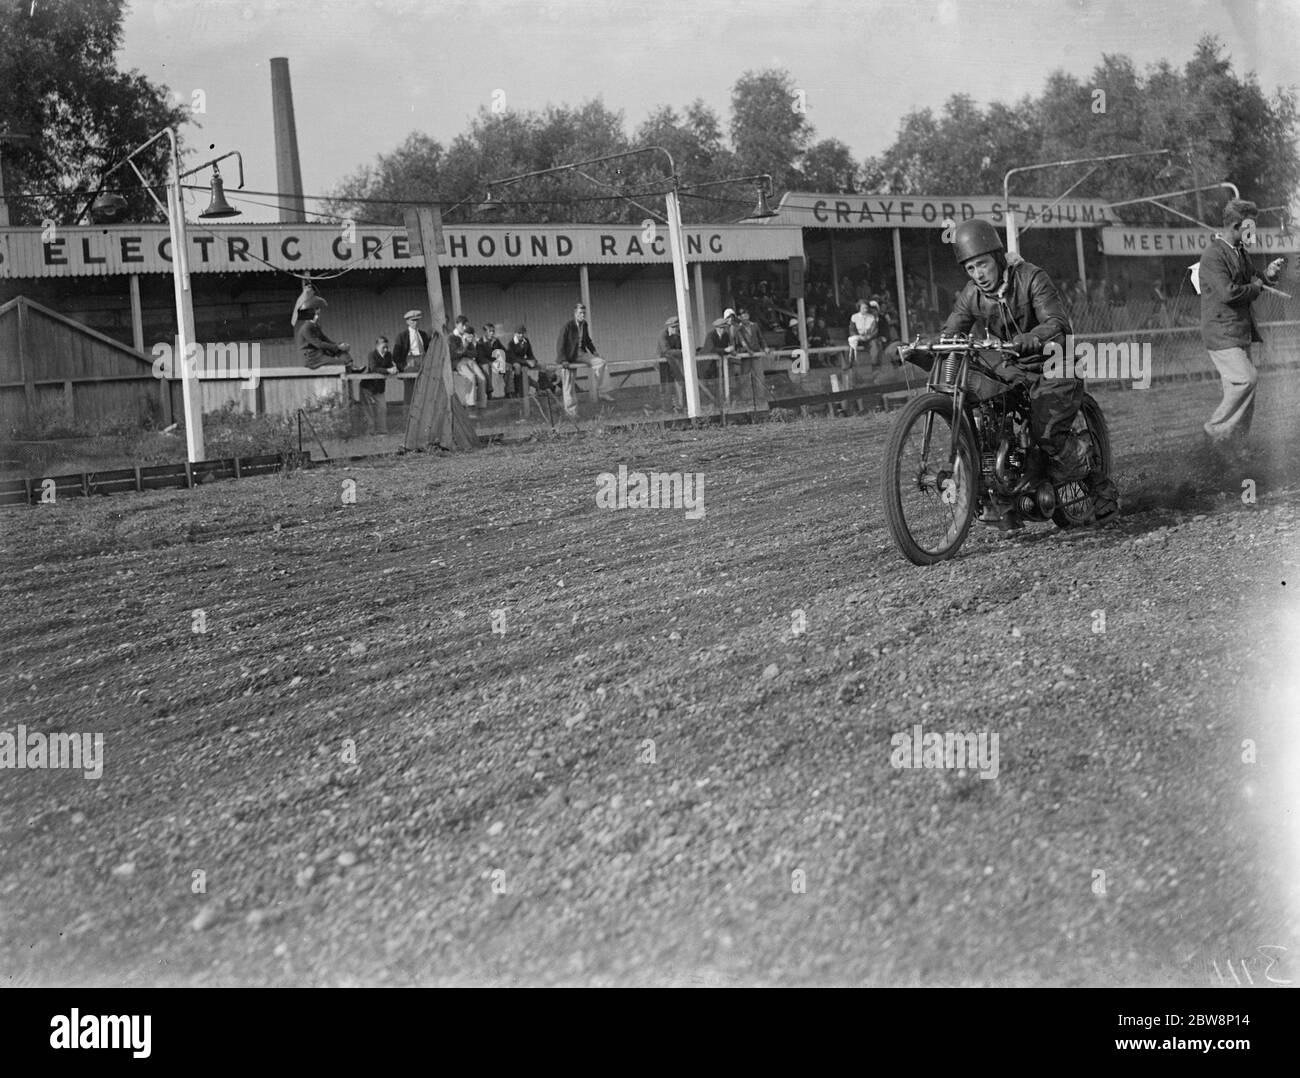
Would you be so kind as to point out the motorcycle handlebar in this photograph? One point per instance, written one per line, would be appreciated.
(965, 344)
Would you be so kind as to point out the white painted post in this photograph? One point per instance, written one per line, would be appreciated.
(191, 394)
(682, 288)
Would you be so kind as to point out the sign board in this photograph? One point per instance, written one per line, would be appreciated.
(123, 249)
(812, 210)
(1149, 242)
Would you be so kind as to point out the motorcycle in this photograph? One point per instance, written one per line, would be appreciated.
(964, 448)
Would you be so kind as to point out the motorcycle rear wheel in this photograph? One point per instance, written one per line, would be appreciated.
(1074, 502)
(929, 502)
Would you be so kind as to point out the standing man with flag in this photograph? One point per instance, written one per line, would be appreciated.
(1229, 284)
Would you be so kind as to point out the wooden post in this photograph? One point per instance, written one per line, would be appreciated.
(898, 280)
(457, 307)
(436, 415)
(701, 317)
(137, 317)
(25, 361)
(835, 268)
(1078, 252)
(584, 290)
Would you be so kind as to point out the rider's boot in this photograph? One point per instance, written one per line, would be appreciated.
(1105, 495)
(1070, 465)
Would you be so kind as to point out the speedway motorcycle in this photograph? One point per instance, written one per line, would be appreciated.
(963, 448)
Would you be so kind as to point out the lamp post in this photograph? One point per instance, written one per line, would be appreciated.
(175, 212)
(1155, 200)
(676, 243)
(1013, 236)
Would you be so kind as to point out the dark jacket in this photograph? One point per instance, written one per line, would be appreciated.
(720, 338)
(317, 349)
(402, 346)
(749, 338)
(376, 364)
(573, 342)
(669, 341)
(1229, 285)
(1030, 305)
(520, 353)
(483, 351)
(458, 350)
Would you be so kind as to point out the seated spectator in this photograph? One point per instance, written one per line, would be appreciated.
(574, 349)
(864, 334)
(464, 346)
(317, 349)
(519, 361)
(792, 334)
(484, 354)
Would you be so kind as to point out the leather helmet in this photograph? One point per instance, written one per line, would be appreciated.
(975, 237)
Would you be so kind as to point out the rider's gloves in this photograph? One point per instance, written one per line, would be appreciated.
(1026, 344)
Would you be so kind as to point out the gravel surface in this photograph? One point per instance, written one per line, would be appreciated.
(473, 729)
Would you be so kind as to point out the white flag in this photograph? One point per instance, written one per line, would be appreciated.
(1195, 268)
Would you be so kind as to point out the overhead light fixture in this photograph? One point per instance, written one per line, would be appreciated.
(108, 207)
(218, 206)
(489, 206)
(762, 210)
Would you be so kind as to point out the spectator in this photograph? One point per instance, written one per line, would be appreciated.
(1229, 284)
(464, 361)
(885, 316)
(519, 361)
(764, 306)
(720, 341)
(317, 349)
(409, 346)
(486, 355)
(792, 334)
(374, 391)
(864, 334)
(670, 350)
(752, 348)
(574, 349)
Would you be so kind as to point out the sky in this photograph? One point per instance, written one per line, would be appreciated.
(367, 73)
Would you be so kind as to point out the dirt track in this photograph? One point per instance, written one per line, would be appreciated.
(518, 759)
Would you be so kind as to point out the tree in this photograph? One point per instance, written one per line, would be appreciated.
(695, 142)
(829, 166)
(769, 127)
(1217, 125)
(58, 83)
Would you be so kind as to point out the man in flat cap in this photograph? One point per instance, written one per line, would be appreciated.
(410, 344)
(670, 350)
(317, 349)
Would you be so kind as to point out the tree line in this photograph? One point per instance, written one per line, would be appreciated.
(81, 115)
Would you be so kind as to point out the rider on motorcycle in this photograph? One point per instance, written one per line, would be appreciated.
(1018, 302)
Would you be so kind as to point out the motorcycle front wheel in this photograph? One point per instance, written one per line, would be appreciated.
(930, 499)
